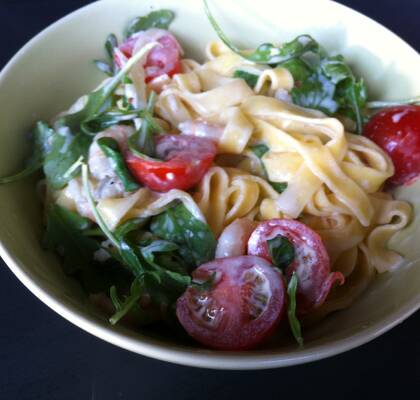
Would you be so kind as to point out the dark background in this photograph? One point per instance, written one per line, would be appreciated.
(42, 356)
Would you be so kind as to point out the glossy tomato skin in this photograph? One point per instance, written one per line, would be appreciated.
(185, 161)
(241, 309)
(397, 131)
(163, 59)
(311, 263)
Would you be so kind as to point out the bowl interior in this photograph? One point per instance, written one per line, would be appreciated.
(56, 67)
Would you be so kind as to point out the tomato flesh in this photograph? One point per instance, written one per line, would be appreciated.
(241, 309)
(397, 131)
(161, 60)
(185, 161)
(311, 262)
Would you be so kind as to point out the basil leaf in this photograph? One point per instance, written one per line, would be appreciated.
(282, 251)
(111, 149)
(97, 100)
(197, 243)
(66, 150)
(250, 79)
(42, 137)
(156, 19)
(291, 309)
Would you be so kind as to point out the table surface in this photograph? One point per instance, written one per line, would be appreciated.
(42, 356)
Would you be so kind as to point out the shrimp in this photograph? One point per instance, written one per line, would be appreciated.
(233, 240)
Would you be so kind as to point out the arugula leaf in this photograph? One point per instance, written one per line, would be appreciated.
(206, 285)
(104, 67)
(142, 142)
(196, 241)
(129, 226)
(299, 69)
(109, 68)
(103, 121)
(279, 187)
(42, 136)
(64, 235)
(98, 98)
(111, 149)
(66, 151)
(282, 251)
(156, 19)
(316, 92)
(122, 308)
(291, 309)
(259, 150)
(250, 79)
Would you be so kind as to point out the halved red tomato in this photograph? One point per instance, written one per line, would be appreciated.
(397, 131)
(164, 59)
(311, 262)
(241, 308)
(186, 160)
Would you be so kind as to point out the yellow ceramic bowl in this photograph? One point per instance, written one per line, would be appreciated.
(55, 68)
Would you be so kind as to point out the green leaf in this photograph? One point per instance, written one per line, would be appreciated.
(64, 234)
(98, 98)
(129, 226)
(104, 67)
(42, 137)
(299, 69)
(260, 149)
(110, 44)
(103, 121)
(157, 246)
(156, 19)
(250, 79)
(142, 142)
(291, 309)
(197, 243)
(66, 150)
(111, 149)
(206, 285)
(267, 53)
(316, 92)
(282, 251)
(123, 307)
(279, 187)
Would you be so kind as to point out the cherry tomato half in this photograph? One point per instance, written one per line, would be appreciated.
(164, 59)
(241, 309)
(311, 262)
(397, 131)
(186, 160)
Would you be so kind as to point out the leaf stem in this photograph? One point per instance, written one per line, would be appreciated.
(98, 217)
(384, 104)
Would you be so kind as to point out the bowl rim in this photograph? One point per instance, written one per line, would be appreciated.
(184, 355)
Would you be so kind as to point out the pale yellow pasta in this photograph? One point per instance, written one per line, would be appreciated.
(333, 179)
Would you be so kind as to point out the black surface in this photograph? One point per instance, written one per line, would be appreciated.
(42, 356)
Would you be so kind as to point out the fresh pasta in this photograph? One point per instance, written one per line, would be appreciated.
(225, 191)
